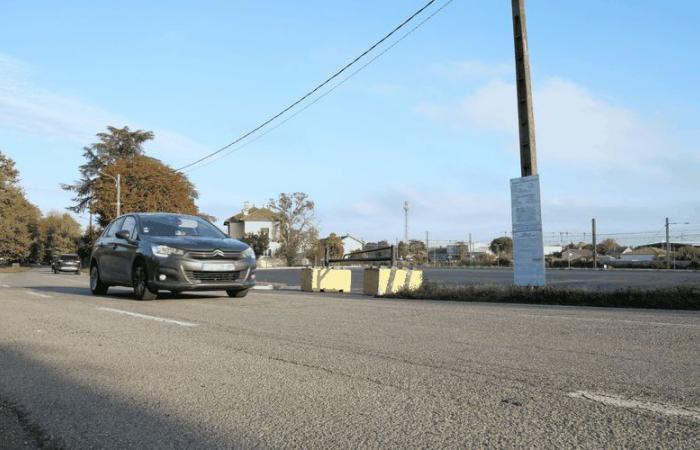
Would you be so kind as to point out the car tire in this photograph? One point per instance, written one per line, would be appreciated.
(237, 293)
(140, 283)
(97, 286)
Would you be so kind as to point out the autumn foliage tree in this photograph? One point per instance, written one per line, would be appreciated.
(335, 246)
(114, 145)
(59, 234)
(146, 185)
(295, 216)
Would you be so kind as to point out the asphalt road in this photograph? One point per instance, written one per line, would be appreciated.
(286, 369)
(575, 278)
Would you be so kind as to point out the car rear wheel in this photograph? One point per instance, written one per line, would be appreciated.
(140, 283)
(97, 286)
(237, 293)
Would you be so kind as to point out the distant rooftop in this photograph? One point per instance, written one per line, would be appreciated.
(252, 214)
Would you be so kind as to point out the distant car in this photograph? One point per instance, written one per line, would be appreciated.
(69, 262)
(173, 252)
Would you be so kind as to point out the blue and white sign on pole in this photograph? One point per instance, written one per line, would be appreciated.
(528, 246)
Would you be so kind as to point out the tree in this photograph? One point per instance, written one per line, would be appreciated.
(146, 185)
(18, 217)
(502, 244)
(687, 253)
(116, 144)
(415, 250)
(59, 233)
(294, 214)
(336, 249)
(259, 242)
(608, 247)
(463, 251)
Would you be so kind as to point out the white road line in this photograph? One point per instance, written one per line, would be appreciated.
(621, 402)
(36, 294)
(5, 285)
(144, 316)
(593, 319)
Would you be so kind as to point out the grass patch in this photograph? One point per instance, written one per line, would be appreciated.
(681, 297)
(10, 269)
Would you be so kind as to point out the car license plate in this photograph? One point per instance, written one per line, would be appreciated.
(218, 267)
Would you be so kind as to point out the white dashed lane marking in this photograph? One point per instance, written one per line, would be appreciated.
(621, 402)
(36, 294)
(147, 317)
(594, 319)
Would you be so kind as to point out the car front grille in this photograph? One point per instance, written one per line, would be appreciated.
(213, 277)
(214, 254)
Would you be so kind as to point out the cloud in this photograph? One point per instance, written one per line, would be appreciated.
(572, 124)
(37, 111)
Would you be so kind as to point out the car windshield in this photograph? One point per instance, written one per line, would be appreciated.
(171, 226)
(69, 258)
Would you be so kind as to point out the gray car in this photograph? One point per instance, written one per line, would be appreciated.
(173, 252)
(69, 262)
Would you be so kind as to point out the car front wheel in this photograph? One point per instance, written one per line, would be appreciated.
(97, 286)
(140, 283)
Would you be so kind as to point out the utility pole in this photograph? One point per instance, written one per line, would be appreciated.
(595, 252)
(427, 248)
(405, 225)
(526, 119)
(471, 252)
(668, 246)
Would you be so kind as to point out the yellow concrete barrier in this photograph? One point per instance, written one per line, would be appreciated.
(384, 280)
(322, 279)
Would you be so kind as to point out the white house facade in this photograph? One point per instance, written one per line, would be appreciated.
(252, 220)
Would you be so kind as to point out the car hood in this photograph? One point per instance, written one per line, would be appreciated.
(200, 244)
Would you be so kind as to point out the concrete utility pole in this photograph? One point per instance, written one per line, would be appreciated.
(595, 252)
(405, 225)
(668, 246)
(427, 248)
(526, 119)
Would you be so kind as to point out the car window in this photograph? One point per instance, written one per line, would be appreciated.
(172, 225)
(114, 227)
(130, 226)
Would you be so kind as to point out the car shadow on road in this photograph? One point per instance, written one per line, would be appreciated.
(61, 412)
(124, 293)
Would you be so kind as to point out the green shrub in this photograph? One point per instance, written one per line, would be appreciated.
(681, 297)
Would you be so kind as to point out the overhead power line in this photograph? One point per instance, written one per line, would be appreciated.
(314, 90)
(231, 149)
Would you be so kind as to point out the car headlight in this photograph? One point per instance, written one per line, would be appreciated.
(164, 250)
(249, 253)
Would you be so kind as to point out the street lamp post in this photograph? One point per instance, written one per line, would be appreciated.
(118, 181)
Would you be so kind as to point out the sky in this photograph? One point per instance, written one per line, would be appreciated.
(432, 121)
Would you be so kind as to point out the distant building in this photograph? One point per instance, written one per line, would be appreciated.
(577, 254)
(352, 244)
(552, 249)
(255, 220)
(642, 254)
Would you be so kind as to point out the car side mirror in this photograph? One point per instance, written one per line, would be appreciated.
(123, 234)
